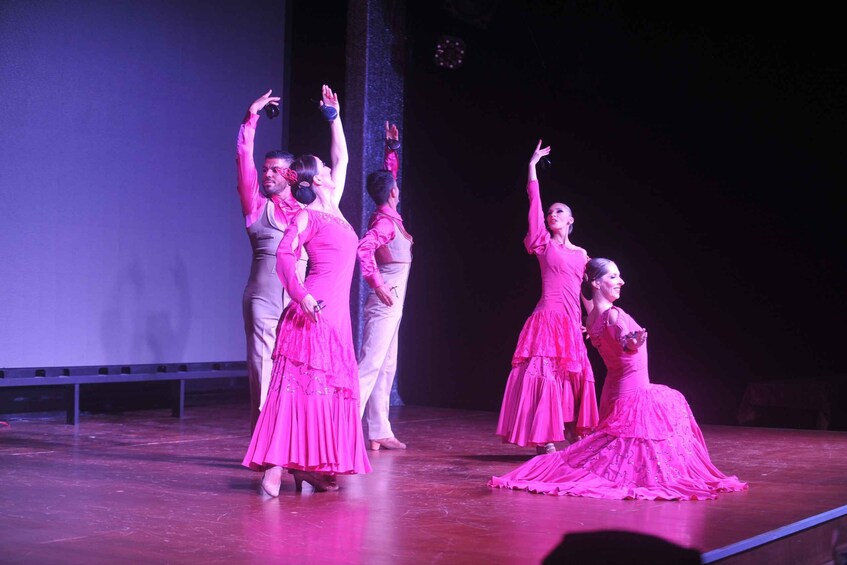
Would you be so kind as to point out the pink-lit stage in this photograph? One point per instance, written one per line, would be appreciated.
(144, 487)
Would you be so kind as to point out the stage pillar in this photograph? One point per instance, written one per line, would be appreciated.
(374, 93)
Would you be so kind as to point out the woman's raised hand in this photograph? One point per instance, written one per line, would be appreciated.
(329, 98)
(263, 101)
(538, 154)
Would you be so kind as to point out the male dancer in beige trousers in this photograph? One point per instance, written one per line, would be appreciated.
(385, 257)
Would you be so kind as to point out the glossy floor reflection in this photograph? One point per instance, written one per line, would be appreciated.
(144, 487)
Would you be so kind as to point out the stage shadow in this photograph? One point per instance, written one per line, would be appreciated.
(617, 547)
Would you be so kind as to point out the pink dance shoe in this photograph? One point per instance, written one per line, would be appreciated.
(387, 443)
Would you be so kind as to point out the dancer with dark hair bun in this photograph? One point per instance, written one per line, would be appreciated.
(647, 445)
(551, 385)
(310, 424)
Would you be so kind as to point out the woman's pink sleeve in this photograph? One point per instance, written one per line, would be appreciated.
(286, 260)
(537, 237)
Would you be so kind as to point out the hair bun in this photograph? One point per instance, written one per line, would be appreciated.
(303, 192)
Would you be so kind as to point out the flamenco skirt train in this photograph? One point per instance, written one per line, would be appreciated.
(551, 383)
(650, 447)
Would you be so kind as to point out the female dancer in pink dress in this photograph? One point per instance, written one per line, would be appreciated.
(310, 423)
(647, 445)
(551, 385)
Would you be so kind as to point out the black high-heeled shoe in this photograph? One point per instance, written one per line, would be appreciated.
(321, 482)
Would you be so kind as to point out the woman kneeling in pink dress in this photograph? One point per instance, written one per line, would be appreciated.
(647, 444)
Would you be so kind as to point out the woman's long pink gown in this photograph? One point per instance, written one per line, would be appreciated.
(310, 420)
(551, 381)
(647, 445)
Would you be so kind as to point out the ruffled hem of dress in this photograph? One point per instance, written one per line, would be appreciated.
(312, 430)
(595, 487)
(622, 468)
(541, 396)
(550, 333)
(317, 345)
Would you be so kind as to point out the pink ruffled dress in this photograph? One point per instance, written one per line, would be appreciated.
(647, 445)
(551, 381)
(310, 420)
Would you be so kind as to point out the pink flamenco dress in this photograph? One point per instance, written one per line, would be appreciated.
(551, 382)
(310, 420)
(647, 446)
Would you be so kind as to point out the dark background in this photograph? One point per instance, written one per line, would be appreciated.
(698, 145)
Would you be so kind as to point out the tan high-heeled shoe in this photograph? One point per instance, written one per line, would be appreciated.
(321, 482)
(387, 443)
(272, 481)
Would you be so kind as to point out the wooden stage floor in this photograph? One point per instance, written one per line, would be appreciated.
(144, 487)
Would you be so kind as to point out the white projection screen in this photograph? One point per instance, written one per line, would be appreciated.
(121, 236)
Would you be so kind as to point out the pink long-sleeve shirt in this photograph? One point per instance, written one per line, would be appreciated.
(253, 201)
(381, 231)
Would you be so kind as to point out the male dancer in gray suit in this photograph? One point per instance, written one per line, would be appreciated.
(267, 211)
